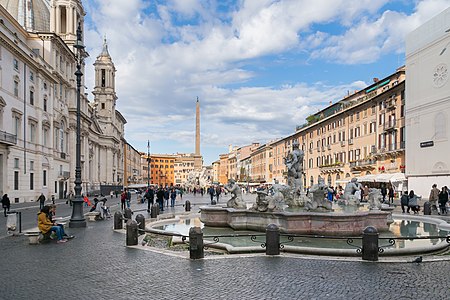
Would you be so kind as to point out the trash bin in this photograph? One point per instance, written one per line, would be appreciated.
(14, 222)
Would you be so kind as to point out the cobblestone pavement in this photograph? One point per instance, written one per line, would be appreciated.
(97, 265)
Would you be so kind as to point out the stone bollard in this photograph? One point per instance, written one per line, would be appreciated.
(154, 211)
(196, 243)
(118, 224)
(370, 244)
(127, 214)
(132, 233)
(272, 240)
(187, 205)
(427, 208)
(140, 219)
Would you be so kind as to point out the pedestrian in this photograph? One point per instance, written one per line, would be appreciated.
(150, 195)
(434, 197)
(128, 199)
(383, 193)
(71, 197)
(404, 201)
(211, 192)
(412, 203)
(181, 193)
(173, 197)
(391, 194)
(443, 199)
(160, 198)
(123, 199)
(218, 192)
(166, 196)
(86, 201)
(41, 200)
(366, 193)
(6, 204)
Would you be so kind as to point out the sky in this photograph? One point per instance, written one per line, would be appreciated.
(258, 67)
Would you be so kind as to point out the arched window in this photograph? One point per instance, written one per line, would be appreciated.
(347, 175)
(311, 181)
(338, 177)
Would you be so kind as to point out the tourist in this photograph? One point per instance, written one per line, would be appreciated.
(434, 197)
(173, 197)
(71, 196)
(330, 194)
(45, 225)
(218, 192)
(160, 198)
(6, 204)
(211, 192)
(366, 193)
(150, 195)
(443, 199)
(391, 194)
(412, 203)
(41, 200)
(383, 193)
(128, 198)
(166, 196)
(52, 215)
(404, 201)
(123, 199)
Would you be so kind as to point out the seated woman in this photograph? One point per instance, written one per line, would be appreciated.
(413, 203)
(45, 225)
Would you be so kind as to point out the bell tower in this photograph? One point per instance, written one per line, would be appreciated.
(104, 89)
(64, 18)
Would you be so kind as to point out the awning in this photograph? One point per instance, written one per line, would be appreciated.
(367, 178)
(390, 177)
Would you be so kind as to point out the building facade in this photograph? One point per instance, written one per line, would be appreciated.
(428, 105)
(361, 136)
(38, 105)
(132, 166)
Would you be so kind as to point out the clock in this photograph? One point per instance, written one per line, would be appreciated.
(440, 75)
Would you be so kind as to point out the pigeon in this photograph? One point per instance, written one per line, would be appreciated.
(418, 260)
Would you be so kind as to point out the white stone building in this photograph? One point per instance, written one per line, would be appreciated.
(38, 105)
(428, 105)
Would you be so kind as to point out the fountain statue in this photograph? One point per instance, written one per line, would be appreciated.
(294, 163)
(374, 199)
(351, 191)
(265, 203)
(236, 200)
(317, 200)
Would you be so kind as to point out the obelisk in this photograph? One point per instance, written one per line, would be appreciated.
(198, 160)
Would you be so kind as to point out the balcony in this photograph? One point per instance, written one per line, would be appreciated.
(310, 150)
(342, 143)
(64, 175)
(350, 141)
(331, 168)
(8, 138)
(318, 149)
(390, 125)
(363, 164)
(390, 104)
(392, 147)
(329, 147)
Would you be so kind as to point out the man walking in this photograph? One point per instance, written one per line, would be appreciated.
(150, 196)
(41, 201)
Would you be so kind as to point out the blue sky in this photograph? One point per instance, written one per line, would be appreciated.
(258, 67)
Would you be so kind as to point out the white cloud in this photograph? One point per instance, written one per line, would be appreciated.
(188, 48)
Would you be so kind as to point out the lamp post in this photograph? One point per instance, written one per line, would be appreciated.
(77, 219)
(148, 164)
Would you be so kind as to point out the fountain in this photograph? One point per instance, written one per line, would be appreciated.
(308, 213)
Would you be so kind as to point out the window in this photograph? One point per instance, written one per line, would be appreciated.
(16, 87)
(32, 132)
(357, 132)
(103, 78)
(31, 97)
(45, 103)
(16, 163)
(374, 108)
(103, 105)
(372, 127)
(351, 118)
(402, 111)
(31, 76)
(44, 177)
(16, 122)
(16, 180)
(16, 64)
(31, 181)
(357, 116)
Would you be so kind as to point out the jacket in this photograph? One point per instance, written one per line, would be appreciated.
(434, 194)
(44, 223)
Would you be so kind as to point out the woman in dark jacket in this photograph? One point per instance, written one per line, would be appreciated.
(6, 204)
(443, 199)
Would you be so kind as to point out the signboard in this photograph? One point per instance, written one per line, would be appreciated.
(426, 144)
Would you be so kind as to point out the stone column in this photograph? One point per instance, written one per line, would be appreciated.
(58, 19)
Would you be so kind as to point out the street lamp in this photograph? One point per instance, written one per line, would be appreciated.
(148, 164)
(77, 219)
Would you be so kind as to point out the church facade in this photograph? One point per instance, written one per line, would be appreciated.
(38, 105)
